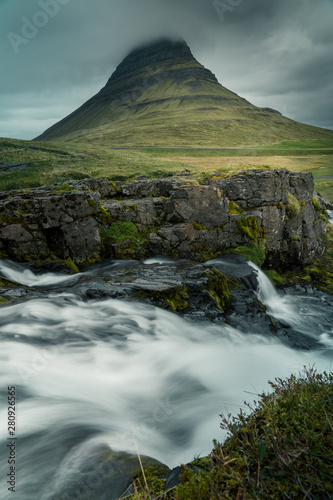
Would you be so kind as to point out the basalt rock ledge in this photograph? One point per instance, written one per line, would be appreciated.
(90, 220)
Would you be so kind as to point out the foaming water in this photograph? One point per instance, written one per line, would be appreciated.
(16, 272)
(119, 374)
(159, 260)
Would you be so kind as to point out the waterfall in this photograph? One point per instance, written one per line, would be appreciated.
(305, 313)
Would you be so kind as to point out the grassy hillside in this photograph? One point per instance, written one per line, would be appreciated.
(48, 163)
(178, 122)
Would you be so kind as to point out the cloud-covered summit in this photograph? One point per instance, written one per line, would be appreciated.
(276, 54)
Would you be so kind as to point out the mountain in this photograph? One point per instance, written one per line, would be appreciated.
(160, 95)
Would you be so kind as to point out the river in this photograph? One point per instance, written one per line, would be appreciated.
(123, 375)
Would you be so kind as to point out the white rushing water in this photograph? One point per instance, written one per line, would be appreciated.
(16, 272)
(308, 315)
(125, 374)
(330, 216)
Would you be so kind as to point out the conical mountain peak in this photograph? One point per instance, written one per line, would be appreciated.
(160, 95)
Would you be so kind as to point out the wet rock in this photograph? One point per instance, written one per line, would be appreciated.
(107, 475)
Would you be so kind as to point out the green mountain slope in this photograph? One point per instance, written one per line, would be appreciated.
(160, 95)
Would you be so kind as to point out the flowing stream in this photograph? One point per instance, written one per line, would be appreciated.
(122, 375)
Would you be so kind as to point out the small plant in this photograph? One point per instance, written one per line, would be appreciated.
(293, 207)
(234, 209)
(316, 204)
(148, 482)
(118, 232)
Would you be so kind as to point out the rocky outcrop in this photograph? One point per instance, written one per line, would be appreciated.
(271, 210)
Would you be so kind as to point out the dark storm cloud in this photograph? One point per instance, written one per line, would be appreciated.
(273, 53)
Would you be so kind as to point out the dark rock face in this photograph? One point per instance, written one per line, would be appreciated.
(177, 217)
(203, 204)
(250, 191)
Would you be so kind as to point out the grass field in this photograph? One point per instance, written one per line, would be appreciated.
(55, 162)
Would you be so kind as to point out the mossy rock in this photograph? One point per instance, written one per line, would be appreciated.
(7, 283)
(218, 288)
(255, 254)
(235, 209)
(126, 239)
(293, 207)
(275, 278)
(316, 204)
(250, 228)
(63, 188)
(174, 299)
(320, 272)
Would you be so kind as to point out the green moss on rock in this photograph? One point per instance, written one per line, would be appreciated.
(218, 288)
(234, 209)
(254, 254)
(104, 215)
(320, 272)
(316, 204)
(118, 232)
(63, 188)
(250, 228)
(274, 277)
(293, 207)
(175, 299)
(7, 283)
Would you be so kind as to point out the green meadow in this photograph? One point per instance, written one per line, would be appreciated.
(51, 162)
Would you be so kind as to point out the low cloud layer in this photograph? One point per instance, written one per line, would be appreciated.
(56, 54)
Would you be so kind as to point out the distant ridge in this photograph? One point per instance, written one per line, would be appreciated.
(160, 95)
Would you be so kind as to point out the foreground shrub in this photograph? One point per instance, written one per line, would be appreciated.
(283, 449)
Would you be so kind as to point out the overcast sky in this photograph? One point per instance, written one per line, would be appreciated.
(56, 54)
